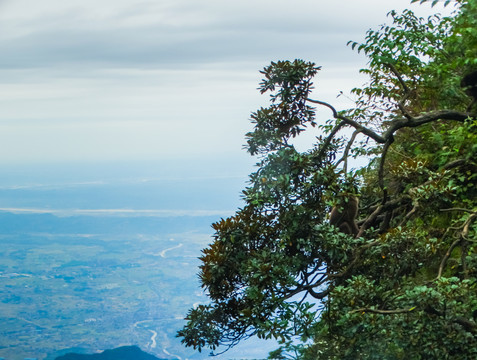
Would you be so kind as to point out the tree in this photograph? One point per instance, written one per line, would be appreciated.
(406, 285)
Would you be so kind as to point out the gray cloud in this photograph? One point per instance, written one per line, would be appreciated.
(184, 34)
(159, 47)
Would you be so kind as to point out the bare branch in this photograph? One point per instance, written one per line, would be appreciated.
(458, 209)
(409, 214)
(398, 123)
(462, 241)
(399, 77)
(384, 312)
(455, 163)
(424, 119)
(369, 220)
(407, 91)
(468, 325)
(403, 108)
(466, 228)
(344, 158)
(381, 168)
(373, 135)
(446, 257)
(319, 295)
(330, 137)
(335, 113)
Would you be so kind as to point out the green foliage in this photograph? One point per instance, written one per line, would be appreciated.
(406, 285)
(290, 84)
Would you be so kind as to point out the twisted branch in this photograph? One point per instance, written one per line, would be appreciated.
(398, 123)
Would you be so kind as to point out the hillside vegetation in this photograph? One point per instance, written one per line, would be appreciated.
(398, 282)
(120, 353)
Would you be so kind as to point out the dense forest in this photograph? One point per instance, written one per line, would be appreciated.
(378, 262)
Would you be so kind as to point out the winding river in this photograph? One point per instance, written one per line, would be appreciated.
(163, 252)
(153, 339)
(152, 343)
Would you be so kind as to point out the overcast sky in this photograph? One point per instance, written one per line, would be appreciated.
(89, 80)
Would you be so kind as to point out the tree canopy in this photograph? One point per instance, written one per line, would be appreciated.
(405, 287)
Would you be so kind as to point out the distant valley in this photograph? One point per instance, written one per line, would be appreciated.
(89, 264)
